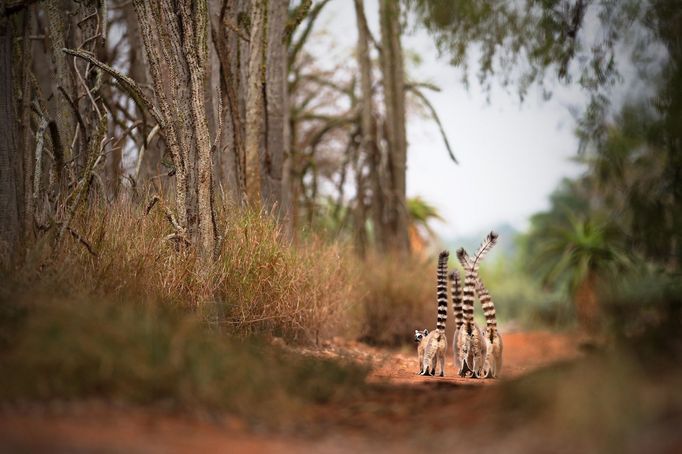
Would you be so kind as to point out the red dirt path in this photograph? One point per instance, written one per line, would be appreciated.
(397, 416)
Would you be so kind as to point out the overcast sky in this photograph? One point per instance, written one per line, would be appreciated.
(511, 155)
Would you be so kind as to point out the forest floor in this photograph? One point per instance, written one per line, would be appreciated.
(401, 412)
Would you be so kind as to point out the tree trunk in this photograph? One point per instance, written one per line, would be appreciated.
(370, 146)
(587, 303)
(394, 98)
(277, 106)
(9, 209)
(27, 149)
(255, 111)
(176, 46)
(57, 20)
(231, 143)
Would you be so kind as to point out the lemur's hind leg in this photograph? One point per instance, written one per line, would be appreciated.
(441, 358)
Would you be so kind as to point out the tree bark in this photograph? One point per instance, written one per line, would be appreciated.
(57, 20)
(26, 133)
(277, 106)
(370, 145)
(394, 97)
(255, 126)
(176, 46)
(230, 151)
(195, 21)
(9, 208)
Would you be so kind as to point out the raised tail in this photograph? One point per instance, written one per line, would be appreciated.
(442, 291)
(483, 250)
(457, 298)
(463, 257)
(488, 307)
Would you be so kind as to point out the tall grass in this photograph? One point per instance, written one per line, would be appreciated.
(397, 296)
(259, 284)
(135, 317)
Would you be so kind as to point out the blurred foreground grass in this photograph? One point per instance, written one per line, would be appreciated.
(151, 353)
(624, 396)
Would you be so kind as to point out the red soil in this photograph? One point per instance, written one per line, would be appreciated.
(396, 416)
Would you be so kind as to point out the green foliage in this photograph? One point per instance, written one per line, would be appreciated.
(524, 40)
(643, 309)
(520, 298)
(563, 254)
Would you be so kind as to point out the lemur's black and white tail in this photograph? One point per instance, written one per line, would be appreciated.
(488, 307)
(483, 250)
(442, 291)
(467, 291)
(456, 286)
(471, 276)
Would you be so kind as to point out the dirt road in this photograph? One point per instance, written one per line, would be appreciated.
(403, 412)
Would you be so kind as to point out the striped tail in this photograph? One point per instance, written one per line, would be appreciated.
(463, 257)
(483, 250)
(442, 291)
(468, 291)
(488, 307)
(457, 298)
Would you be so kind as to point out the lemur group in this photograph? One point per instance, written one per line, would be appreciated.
(478, 352)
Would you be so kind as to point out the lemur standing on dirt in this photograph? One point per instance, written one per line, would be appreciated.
(492, 364)
(469, 342)
(432, 346)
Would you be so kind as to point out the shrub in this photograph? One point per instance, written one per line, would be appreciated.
(397, 296)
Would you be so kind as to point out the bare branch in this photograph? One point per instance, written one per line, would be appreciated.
(434, 115)
(126, 82)
(40, 141)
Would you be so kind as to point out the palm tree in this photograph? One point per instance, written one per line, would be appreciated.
(576, 253)
(419, 214)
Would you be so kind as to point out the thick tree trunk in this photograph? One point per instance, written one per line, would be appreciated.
(370, 146)
(176, 46)
(9, 205)
(277, 106)
(230, 151)
(255, 111)
(27, 149)
(195, 21)
(57, 20)
(394, 96)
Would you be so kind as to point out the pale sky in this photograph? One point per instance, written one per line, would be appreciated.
(512, 155)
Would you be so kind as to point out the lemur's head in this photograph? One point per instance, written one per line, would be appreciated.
(419, 335)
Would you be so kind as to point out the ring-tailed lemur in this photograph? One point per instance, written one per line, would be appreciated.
(492, 364)
(457, 299)
(469, 343)
(432, 346)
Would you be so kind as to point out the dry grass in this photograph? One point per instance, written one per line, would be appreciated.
(398, 295)
(258, 285)
(142, 322)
